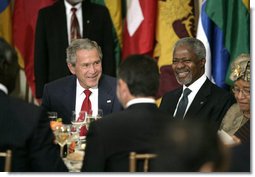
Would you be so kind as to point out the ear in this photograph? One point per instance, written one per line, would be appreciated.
(122, 85)
(203, 61)
(71, 68)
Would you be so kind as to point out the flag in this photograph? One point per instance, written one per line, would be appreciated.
(5, 20)
(226, 25)
(115, 10)
(24, 22)
(175, 20)
(139, 27)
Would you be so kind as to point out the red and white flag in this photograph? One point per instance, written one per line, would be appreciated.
(139, 27)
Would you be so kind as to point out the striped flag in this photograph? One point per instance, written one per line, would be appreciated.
(115, 10)
(225, 29)
(5, 20)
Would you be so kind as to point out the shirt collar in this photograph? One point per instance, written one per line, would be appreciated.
(195, 86)
(80, 89)
(140, 100)
(69, 6)
(4, 88)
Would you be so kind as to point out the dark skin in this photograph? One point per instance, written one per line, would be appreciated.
(187, 67)
(8, 65)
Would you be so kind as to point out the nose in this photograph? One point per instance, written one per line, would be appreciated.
(240, 94)
(179, 64)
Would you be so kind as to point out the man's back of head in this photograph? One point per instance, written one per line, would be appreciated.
(141, 74)
(8, 65)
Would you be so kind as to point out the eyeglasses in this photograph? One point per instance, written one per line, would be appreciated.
(245, 92)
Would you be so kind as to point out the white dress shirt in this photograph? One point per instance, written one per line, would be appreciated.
(80, 96)
(140, 100)
(69, 15)
(4, 88)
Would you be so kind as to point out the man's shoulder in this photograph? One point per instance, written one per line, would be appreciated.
(173, 93)
(62, 81)
(95, 6)
(52, 7)
(24, 110)
(106, 79)
(216, 89)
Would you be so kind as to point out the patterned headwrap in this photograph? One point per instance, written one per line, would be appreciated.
(240, 69)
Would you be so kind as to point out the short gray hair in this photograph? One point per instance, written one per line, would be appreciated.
(80, 44)
(195, 45)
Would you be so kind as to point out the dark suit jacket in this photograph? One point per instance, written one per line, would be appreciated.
(60, 96)
(110, 140)
(25, 129)
(210, 104)
(51, 41)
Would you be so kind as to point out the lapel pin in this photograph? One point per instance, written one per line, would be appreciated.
(108, 101)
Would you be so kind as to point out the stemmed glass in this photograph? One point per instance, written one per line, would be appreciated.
(78, 120)
(93, 116)
(99, 114)
(62, 134)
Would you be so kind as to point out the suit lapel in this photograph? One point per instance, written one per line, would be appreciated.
(174, 100)
(70, 95)
(200, 99)
(105, 98)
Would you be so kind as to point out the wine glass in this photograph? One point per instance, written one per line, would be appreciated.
(90, 117)
(62, 134)
(78, 120)
(52, 115)
(73, 139)
(99, 114)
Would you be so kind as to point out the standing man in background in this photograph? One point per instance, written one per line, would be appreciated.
(62, 22)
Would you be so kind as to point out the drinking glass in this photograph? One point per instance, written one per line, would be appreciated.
(99, 114)
(52, 115)
(62, 134)
(78, 120)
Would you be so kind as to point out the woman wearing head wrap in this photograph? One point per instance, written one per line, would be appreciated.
(239, 114)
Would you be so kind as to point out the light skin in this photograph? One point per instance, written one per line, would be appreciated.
(74, 2)
(186, 66)
(88, 68)
(123, 93)
(242, 99)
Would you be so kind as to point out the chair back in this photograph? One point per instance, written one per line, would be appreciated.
(145, 157)
(8, 156)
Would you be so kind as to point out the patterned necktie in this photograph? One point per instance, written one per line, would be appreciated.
(75, 29)
(182, 104)
(86, 106)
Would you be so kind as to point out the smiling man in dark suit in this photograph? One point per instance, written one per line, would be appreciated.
(25, 128)
(136, 128)
(84, 60)
(53, 36)
(205, 101)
